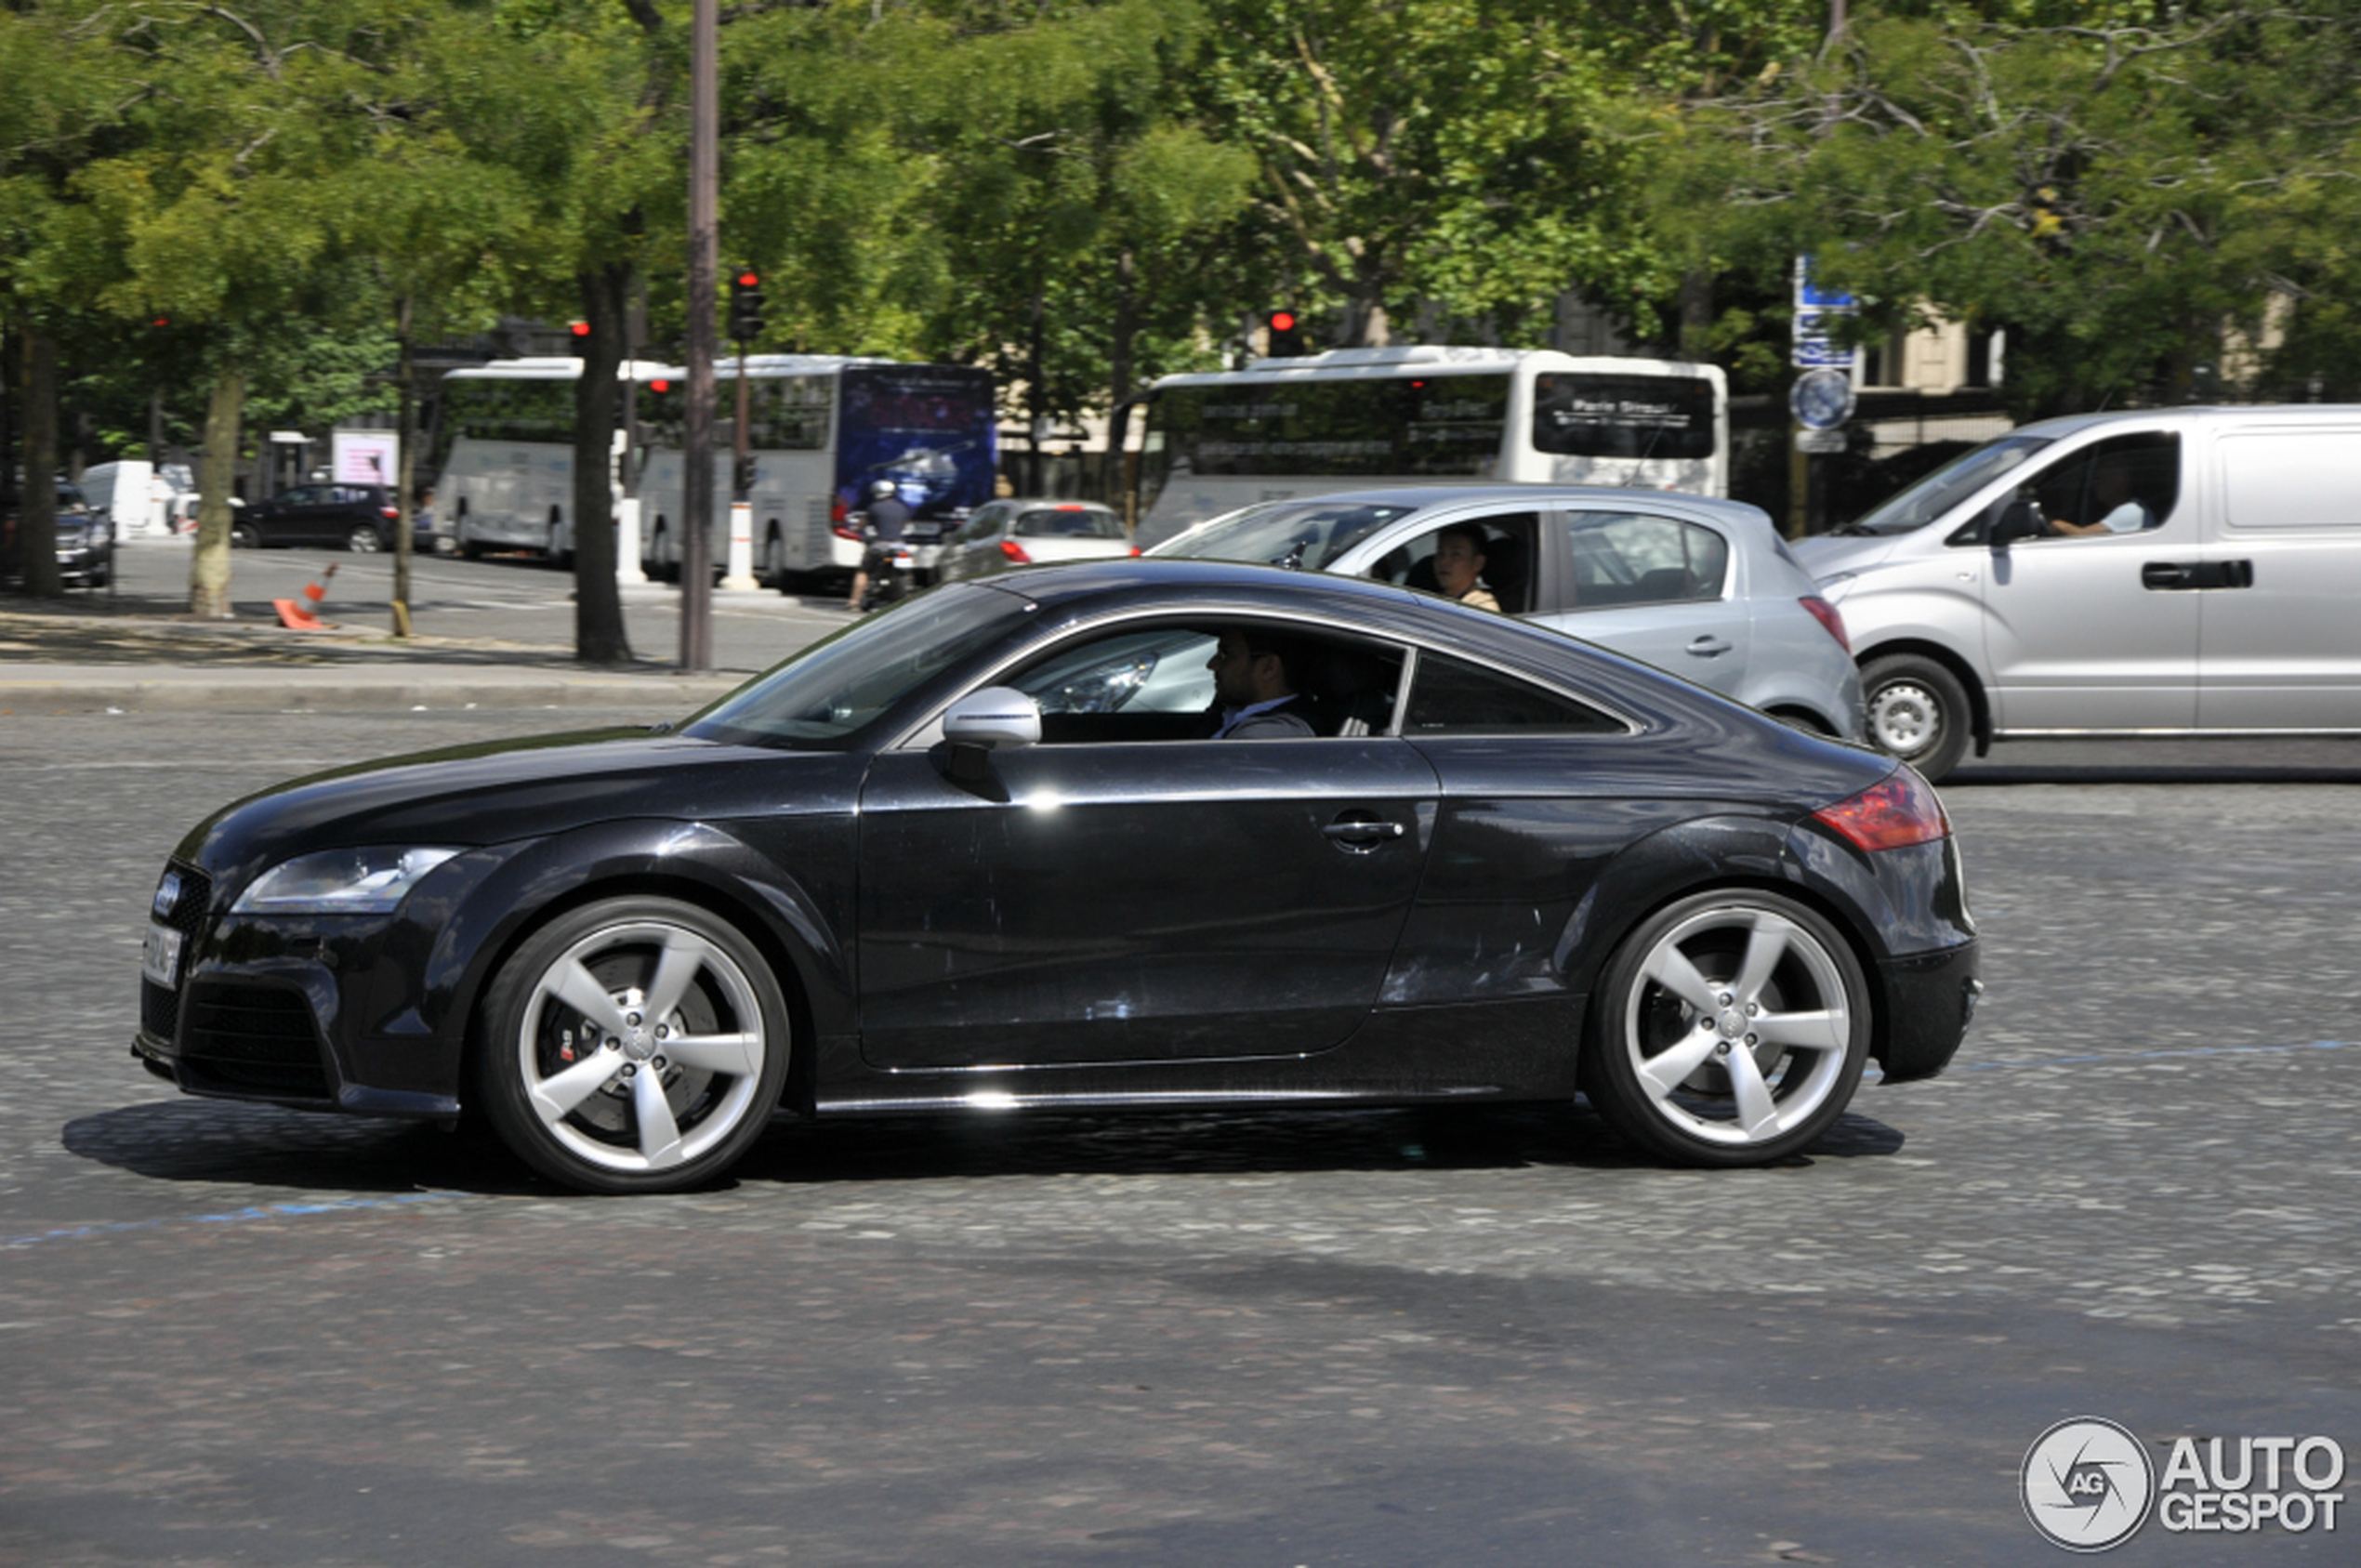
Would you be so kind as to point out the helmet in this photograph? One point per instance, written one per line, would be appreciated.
(880, 489)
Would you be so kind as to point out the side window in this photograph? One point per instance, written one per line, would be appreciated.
(978, 527)
(1158, 683)
(1640, 557)
(301, 496)
(2126, 485)
(1504, 575)
(1452, 697)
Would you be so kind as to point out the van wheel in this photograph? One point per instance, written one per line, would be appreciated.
(1918, 712)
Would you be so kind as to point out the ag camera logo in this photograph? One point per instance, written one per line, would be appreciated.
(2087, 1483)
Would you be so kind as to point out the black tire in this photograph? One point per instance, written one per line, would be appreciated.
(245, 536)
(470, 550)
(363, 540)
(591, 1099)
(1918, 712)
(1695, 1078)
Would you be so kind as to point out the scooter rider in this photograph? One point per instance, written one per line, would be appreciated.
(887, 518)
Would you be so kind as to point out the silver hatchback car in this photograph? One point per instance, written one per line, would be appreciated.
(1705, 588)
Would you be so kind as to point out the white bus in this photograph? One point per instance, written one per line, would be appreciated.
(822, 430)
(503, 453)
(1355, 417)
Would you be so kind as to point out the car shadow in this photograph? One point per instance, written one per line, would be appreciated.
(2258, 773)
(221, 1141)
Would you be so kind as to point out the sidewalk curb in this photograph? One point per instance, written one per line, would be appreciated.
(132, 689)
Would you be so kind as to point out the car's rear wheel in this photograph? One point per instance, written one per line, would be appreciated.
(636, 1045)
(1918, 712)
(363, 540)
(1730, 1028)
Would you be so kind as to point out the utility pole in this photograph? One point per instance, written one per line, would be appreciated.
(696, 479)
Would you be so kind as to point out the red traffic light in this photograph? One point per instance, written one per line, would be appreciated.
(659, 386)
(749, 279)
(582, 329)
(1283, 321)
(161, 321)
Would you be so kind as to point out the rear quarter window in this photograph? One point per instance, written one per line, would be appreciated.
(2292, 479)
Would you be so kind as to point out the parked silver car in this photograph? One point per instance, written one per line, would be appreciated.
(2159, 571)
(1005, 535)
(1702, 587)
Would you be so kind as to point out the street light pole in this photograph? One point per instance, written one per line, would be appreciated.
(696, 480)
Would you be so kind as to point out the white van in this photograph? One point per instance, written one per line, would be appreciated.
(2193, 571)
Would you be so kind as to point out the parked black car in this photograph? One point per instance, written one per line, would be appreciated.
(86, 543)
(980, 853)
(353, 517)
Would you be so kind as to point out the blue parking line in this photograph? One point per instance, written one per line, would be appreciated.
(2154, 1055)
(234, 1217)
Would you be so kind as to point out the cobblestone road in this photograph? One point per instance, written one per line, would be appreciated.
(239, 1335)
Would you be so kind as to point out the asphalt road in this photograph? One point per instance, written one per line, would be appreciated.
(240, 1334)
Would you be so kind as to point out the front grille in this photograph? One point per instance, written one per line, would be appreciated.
(252, 1039)
(160, 1004)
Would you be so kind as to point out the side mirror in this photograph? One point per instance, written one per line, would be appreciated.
(2018, 519)
(992, 719)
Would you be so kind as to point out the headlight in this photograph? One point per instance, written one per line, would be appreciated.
(339, 882)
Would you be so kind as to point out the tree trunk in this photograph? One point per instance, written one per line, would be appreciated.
(1126, 326)
(599, 637)
(1696, 313)
(37, 518)
(217, 476)
(405, 467)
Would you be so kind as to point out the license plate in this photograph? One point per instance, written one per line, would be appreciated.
(160, 959)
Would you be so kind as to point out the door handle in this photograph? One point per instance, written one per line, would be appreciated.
(2199, 575)
(1707, 646)
(2167, 575)
(1361, 833)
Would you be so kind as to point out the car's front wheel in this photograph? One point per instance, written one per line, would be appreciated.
(635, 1044)
(245, 536)
(1918, 712)
(1730, 1028)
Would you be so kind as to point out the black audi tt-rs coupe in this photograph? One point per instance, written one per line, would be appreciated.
(995, 848)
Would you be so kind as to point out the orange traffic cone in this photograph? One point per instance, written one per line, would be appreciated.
(295, 616)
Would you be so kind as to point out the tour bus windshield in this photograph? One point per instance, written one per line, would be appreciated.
(502, 409)
(1935, 495)
(1583, 415)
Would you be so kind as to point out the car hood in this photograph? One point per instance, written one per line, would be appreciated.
(1836, 554)
(500, 791)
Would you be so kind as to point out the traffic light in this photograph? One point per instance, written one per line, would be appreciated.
(1285, 330)
(746, 304)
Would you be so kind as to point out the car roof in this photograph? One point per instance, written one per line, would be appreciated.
(1052, 502)
(2071, 424)
(1426, 495)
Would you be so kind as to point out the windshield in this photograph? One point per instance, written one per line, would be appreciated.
(823, 697)
(1299, 534)
(1935, 495)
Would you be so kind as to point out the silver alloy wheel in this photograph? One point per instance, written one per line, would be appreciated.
(1905, 718)
(363, 540)
(641, 1047)
(1753, 1054)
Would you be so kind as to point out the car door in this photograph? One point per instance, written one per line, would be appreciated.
(2280, 580)
(1123, 892)
(1657, 587)
(280, 521)
(2092, 629)
(958, 551)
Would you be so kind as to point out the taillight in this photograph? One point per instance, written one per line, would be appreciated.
(1826, 614)
(389, 511)
(1899, 810)
(1135, 549)
(846, 531)
(1015, 552)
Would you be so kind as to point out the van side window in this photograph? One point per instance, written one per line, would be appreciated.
(1452, 697)
(2129, 484)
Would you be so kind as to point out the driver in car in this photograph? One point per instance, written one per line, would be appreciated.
(1254, 688)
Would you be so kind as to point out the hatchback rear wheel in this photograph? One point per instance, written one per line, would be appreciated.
(636, 1045)
(1730, 1028)
(363, 540)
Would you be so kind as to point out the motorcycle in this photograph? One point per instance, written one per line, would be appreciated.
(892, 569)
